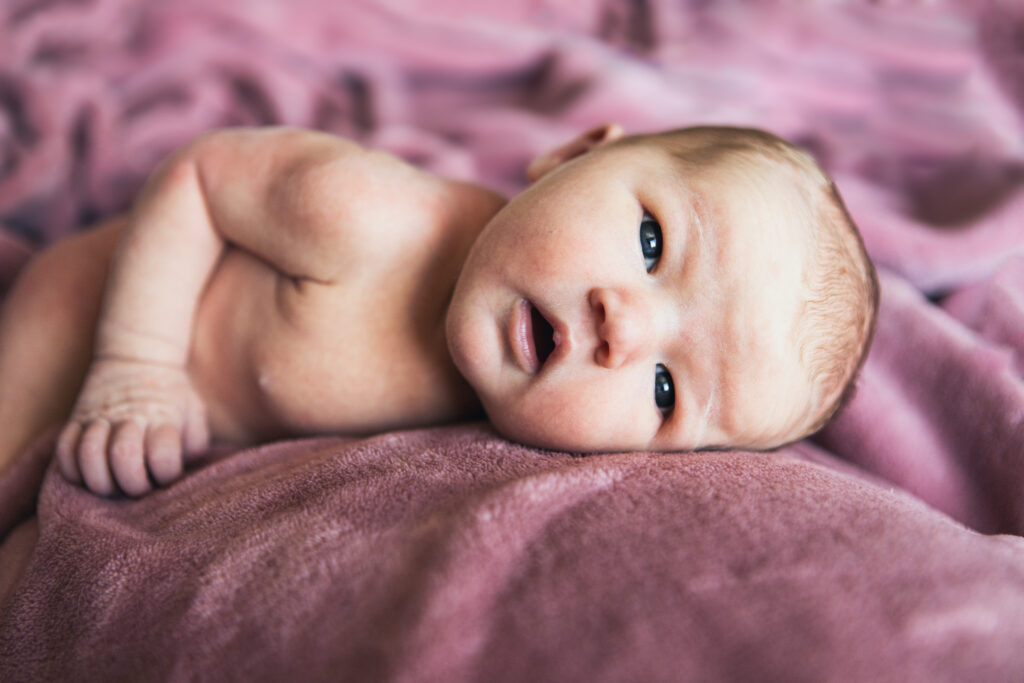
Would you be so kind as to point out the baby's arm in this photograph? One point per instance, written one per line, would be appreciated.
(137, 415)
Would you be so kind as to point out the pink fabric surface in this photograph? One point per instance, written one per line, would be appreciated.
(450, 554)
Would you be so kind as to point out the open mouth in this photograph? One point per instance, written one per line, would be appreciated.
(543, 335)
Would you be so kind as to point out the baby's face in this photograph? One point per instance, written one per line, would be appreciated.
(578, 337)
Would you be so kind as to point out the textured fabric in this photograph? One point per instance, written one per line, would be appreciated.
(450, 554)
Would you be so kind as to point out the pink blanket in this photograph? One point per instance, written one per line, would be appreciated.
(450, 554)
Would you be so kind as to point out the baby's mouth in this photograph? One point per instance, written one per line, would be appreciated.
(533, 338)
(543, 335)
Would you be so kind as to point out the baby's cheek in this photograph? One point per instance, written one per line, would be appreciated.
(574, 421)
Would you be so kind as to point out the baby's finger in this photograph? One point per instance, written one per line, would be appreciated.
(127, 459)
(163, 453)
(92, 458)
(67, 449)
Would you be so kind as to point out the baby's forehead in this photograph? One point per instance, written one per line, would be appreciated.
(739, 155)
(765, 187)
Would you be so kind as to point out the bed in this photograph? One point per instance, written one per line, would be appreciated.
(887, 547)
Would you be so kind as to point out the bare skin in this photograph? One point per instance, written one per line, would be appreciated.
(46, 335)
(349, 255)
(279, 282)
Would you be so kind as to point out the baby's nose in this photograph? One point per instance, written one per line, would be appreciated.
(624, 325)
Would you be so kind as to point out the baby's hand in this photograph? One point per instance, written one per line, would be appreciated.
(133, 424)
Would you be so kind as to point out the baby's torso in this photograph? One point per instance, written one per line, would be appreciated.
(275, 356)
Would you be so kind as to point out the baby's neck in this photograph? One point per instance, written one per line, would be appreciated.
(467, 210)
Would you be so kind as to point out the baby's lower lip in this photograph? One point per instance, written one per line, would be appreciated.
(520, 334)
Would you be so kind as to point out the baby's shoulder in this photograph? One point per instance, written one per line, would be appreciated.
(377, 207)
(374, 204)
(342, 179)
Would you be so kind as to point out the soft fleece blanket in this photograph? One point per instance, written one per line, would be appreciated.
(887, 548)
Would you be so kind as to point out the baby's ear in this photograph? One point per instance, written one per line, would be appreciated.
(593, 138)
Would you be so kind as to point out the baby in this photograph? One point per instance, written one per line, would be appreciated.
(699, 288)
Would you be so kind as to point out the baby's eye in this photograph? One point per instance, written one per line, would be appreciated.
(664, 390)
(650, 241)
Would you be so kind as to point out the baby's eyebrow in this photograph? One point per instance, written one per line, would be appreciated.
(690, 238)
(705, 416)
(699, 214)
(701, 261)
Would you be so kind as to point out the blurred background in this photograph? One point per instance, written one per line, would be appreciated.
(914, 107)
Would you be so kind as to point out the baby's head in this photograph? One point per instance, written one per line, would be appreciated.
(699, 288)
